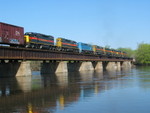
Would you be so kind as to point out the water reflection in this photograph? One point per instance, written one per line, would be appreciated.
(98, 75)
(86, 76)
(50, 93)
(24, 83)
(62, 79)
(110, 74)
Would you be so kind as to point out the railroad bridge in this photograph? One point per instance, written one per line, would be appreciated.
(16, 61)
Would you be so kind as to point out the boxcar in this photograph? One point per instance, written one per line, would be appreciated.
(85, 48)
(11, 34)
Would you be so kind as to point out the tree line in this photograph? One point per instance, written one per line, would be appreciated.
(141, 54)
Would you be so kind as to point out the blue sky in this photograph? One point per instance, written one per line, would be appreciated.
(117, 23)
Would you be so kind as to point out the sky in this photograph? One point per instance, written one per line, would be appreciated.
(114, 23)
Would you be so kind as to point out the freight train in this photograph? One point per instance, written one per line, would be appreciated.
(14, 36)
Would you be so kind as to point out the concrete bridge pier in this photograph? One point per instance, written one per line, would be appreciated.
(98, 66)
(12, 69)
(86, 66)
(74, 66)
(118, 64)
(24, 69)
(126, 64)
(111, 66)
(54, 67)
(62, 67)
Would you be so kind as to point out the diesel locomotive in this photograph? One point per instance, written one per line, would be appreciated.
(67, 45)
(38, 40)
(14, 36)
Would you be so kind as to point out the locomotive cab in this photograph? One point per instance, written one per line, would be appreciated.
(27, 40)
(59, 42)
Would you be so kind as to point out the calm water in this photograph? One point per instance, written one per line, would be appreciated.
(126, 91)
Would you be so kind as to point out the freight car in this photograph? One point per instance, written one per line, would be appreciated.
(11, 34)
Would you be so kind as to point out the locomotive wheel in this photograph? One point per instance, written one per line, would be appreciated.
(41, 46)
(32, 46)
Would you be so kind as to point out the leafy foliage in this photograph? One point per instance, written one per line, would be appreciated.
(143, 53)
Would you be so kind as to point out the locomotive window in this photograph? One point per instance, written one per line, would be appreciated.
(31, 35)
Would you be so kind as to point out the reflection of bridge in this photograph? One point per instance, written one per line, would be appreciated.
(52, 92)
(14, 54)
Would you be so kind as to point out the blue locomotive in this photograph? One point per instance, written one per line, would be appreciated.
(85, 48)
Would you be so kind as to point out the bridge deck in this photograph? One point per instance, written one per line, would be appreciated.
(14, 53)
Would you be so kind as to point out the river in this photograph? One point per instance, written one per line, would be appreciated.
(126, 91)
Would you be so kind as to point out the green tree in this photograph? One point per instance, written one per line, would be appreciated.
(143, 53)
